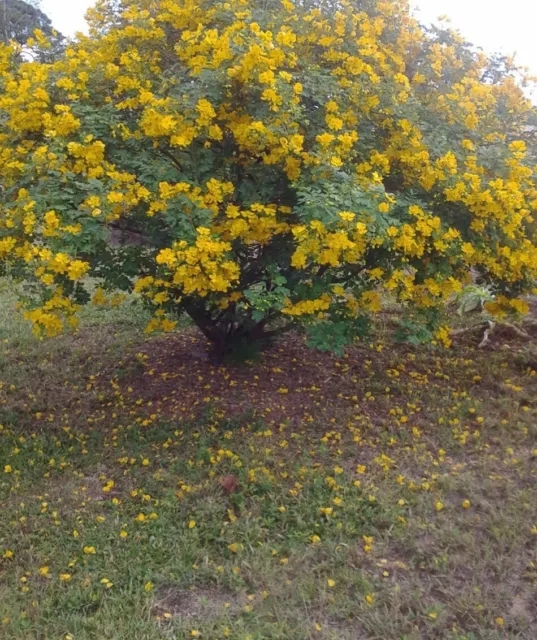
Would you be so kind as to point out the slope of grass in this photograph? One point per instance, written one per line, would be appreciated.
(390, 493)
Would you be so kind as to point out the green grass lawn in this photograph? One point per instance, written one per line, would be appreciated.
(390, 493)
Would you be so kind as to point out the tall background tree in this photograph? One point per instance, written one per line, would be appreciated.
(265, 165)
(20, 18)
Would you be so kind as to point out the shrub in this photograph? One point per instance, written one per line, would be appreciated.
(261, 165)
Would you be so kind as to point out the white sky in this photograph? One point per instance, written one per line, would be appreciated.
(496, 25)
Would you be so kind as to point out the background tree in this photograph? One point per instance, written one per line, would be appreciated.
(18, 21)
(266, 165)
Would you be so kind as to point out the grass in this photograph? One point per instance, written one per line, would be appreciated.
(390, 493)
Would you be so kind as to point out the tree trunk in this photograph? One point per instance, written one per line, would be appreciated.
(229, 338)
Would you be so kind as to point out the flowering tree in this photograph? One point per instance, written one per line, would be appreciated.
(264, 164)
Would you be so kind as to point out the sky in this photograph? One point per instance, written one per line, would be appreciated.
(495, 25)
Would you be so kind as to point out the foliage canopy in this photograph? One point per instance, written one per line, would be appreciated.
(265, 164)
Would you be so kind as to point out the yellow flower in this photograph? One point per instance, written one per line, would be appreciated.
(467, 248)
(89, 550)
(191, 524)
(331, 583)
(439, 506)
(325, 139)
(148, 586)
(77, 269)
(521, 306)
(466, 504)
(51, 219)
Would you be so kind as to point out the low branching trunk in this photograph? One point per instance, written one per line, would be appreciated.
(229, 335)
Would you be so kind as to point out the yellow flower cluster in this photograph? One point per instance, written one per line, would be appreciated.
(307, 307)
(200, 268)
(49, 319)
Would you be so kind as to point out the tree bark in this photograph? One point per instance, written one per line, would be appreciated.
(226, 336)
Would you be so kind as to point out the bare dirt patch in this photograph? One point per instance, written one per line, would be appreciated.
(196, 603)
